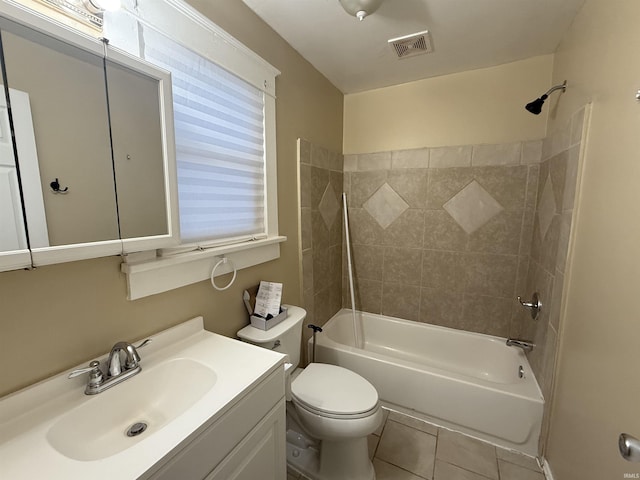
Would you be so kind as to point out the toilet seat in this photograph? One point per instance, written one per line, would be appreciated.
(343, 416)
(334, 392)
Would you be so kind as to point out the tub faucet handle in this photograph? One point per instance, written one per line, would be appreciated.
(535, 305)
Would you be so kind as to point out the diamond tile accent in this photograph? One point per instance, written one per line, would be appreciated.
(472, 207)
(385, 206)
(329, 206)
(546, 207)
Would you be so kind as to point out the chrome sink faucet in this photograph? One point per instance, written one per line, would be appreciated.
(114, 362)
(116, 371)
(523, 344)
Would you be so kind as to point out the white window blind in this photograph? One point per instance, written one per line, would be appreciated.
(220, 137)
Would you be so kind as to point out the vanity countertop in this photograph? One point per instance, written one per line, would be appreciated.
(42, 426)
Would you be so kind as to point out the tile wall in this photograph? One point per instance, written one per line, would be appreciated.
(452, 235)
(448, 236)
(321, 181)
(549, 247)
(443, 235)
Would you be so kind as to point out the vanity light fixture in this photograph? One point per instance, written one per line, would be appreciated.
(360, 8)
(89, 12)
(99, 6)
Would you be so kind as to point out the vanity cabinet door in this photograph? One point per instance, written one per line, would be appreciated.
(261, 454)
(255, 425)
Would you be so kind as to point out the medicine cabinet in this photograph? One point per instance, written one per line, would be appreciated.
(87, 165)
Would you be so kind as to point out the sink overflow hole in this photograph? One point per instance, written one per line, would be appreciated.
(136, 429)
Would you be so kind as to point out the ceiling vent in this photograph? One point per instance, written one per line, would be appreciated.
(411, 45)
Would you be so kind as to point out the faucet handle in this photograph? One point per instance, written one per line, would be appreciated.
(95, 374)
(145, 343)
(93, 367)
(535, 305)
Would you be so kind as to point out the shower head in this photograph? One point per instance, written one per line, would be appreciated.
(535, 107)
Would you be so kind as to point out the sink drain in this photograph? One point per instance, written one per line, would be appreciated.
(136, 429)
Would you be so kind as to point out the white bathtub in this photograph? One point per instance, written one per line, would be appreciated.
(459, 380)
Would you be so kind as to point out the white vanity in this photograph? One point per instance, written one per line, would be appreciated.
(213, 408)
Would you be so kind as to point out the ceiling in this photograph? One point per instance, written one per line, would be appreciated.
(466, 34)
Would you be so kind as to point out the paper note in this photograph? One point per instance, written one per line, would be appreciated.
(268, 299)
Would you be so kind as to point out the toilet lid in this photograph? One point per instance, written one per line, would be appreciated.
(334, 390)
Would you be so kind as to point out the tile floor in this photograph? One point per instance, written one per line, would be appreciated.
(405, 448)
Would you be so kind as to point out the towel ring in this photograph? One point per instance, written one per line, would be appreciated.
(222, 261)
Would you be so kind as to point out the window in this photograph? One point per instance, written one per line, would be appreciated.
(224, 108)
(219, 127)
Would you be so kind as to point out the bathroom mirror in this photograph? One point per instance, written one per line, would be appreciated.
(98, 176)
(66, 90)
(139, 105)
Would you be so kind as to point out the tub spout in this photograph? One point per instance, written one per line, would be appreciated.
(523, 344)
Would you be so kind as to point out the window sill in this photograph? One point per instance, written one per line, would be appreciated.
(161, 274)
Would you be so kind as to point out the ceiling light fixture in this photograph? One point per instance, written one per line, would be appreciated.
(360, 8)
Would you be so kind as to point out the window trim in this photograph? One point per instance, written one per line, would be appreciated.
(148, 274)
(178, 20)
(161, 274)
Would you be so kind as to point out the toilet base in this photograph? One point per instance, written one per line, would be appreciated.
(342, 460)
(303, 460)
(346, 460)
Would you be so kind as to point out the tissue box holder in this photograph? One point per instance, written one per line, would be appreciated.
(264, 324)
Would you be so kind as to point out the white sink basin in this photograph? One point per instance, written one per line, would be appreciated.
(189, 379)
(98, 428)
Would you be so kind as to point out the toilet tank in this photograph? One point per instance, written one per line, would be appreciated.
(286, 337)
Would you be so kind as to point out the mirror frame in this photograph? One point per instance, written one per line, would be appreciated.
(82, 251)
(15, 260)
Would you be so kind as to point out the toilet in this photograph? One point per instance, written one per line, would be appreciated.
(335, 406)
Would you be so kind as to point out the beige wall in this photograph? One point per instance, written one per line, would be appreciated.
(597, 389)
(478, 106)
(58, 316)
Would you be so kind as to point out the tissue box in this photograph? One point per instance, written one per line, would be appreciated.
(264, 324)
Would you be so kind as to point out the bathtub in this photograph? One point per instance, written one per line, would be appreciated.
(458, 380)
